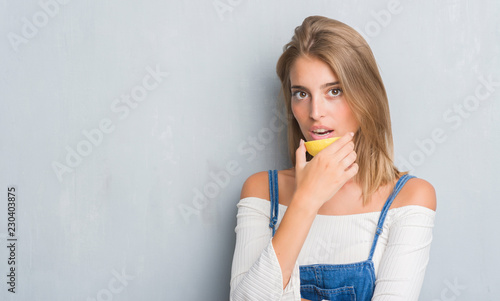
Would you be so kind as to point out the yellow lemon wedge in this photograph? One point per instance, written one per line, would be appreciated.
(315, 146)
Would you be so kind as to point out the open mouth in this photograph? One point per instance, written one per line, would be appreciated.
(322, 132)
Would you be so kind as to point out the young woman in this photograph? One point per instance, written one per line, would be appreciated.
(346, 224)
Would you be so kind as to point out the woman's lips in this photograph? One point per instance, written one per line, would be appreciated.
(315, 136)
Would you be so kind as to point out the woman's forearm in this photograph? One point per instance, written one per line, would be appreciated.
(316, 182)
(291, 234)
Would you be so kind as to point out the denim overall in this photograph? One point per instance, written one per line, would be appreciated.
(338, 282)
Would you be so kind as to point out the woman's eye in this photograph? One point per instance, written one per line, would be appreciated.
(335, 92)
(300, 94)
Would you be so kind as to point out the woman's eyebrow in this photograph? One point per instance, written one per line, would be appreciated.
(329, 85)
(322, 87)
(299, 87)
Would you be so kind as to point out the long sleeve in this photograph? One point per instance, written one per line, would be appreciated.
(404, 261)
(256, 273)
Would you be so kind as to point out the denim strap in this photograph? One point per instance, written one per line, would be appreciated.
(401, 182)
(273, 194)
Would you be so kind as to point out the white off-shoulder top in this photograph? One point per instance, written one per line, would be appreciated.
(400, 257)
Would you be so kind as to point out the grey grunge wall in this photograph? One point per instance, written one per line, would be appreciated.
(128, 128)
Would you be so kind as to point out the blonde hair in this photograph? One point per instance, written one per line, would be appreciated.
(352, 61)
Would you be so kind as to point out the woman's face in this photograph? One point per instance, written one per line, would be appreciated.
(318, 102)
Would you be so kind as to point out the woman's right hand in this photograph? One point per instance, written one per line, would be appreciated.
(318, 180)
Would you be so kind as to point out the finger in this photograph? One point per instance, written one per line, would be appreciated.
(349, 173)
(300, 155)
(342, 152)
(352, 170)
(335, 146)
(345, 151)
(348, 160)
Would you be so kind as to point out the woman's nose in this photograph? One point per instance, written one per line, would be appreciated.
(317, 109)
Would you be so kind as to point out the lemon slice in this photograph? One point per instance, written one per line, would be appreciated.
(315, 146)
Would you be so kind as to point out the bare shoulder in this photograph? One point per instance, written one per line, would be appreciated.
(257, 185)
(417, 192)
